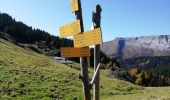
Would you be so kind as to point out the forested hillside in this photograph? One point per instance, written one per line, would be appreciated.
(23, 33)
(148, 71)
(146, 62)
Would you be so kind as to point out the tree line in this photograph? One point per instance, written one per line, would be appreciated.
(144, 71)
(146, 62)
(158, 76)
(23, 33)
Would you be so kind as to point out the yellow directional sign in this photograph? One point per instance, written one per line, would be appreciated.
(88, 38)
(69, 52)
(74, 5)
(70, 29)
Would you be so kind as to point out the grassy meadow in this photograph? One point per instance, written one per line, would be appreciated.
(26, 75)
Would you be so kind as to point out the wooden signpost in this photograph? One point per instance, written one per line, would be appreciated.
(96, 21)
(69, 52)
(81, 42)
(67, 30)
(88, 38)
(70, 29)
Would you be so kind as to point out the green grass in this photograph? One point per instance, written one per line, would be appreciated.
(154, 93)
(26, 75)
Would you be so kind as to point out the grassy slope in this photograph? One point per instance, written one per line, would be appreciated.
(25, 74)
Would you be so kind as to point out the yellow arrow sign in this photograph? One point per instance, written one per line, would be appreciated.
(88, 38)
(69, 52)
(70, 29)
(74, 5)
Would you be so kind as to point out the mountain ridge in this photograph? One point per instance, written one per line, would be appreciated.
(157, 45)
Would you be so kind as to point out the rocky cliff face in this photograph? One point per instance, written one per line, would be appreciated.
(138, 46)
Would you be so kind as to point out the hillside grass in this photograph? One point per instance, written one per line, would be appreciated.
(26, 75)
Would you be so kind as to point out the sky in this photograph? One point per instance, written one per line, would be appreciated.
(120, 18)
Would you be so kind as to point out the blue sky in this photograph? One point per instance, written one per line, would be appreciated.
(120, 18)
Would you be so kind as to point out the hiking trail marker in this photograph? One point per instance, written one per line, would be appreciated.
(69, 52)
(74, 5)
(82, 41)
(88, 38)
(70, 29)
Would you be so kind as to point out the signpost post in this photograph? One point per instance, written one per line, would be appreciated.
(96, 20)
(83, 60)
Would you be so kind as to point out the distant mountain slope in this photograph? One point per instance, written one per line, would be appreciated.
(138, 46)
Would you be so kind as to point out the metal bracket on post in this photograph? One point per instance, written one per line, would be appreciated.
(95, 74)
